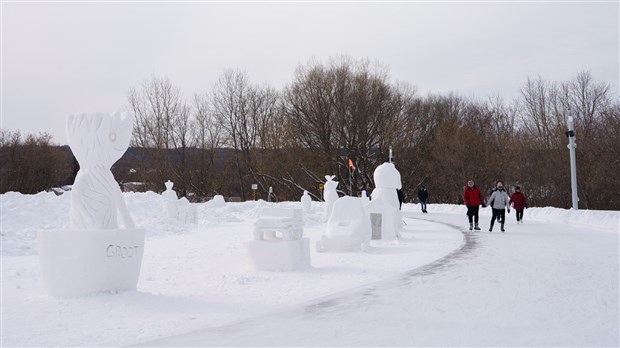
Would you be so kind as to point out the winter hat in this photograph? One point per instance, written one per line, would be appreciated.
(518, 187)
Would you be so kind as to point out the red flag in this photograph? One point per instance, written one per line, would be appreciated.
(351, 164)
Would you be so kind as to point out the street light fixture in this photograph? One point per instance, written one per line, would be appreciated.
(570, 134)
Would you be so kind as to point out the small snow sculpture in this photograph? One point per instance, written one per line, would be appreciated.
(278, 243)
(217, 202)
(306, 202)
(186, 211)
(330, 195)
(348, 229)
(94, 254)
(170, 200)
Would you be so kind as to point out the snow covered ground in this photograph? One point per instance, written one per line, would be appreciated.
(552, 281)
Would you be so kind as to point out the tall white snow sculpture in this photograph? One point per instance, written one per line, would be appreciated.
(348, 229)
(94, 254)
(330, 195)
(383, 209)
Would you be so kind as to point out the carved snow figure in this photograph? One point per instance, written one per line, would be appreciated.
(94, 254)
(330, 195)
(170, 200)
(348, 229)
(383, 209)
(306, 202)
(97, 141)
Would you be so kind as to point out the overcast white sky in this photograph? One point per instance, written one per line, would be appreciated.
(66, 57)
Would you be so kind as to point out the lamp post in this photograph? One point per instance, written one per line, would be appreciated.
(570, 134)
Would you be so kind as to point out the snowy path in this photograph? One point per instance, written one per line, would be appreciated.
(538, 284)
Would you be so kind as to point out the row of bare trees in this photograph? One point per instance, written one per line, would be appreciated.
(237, 133)
(32, 163)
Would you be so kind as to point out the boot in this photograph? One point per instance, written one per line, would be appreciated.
(502, 227)
(471, 226)
(491, 228)
(477, 228)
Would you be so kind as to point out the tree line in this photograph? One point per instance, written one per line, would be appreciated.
(238, 133)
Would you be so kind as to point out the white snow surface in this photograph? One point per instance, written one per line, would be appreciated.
(552, 281)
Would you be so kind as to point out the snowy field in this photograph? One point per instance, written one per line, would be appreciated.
(552, 281)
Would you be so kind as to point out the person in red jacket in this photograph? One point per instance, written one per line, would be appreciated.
(519, 202)
(472, 196)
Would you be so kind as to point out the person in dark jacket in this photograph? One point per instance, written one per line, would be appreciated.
(423, 196)
(401, 198)
(472, 196)
(519, 202)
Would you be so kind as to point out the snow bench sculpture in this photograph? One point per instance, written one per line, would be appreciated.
(278, 223)
(94, 254)
(278, 243)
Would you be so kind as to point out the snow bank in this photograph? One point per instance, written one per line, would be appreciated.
(607, 220)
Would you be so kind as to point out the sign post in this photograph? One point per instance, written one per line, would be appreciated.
(254, 187)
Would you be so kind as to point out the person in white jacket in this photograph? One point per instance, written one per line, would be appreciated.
(498, 202)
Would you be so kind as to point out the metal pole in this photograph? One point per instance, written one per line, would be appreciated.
(390, 158)
(573, 161)
(350, 182)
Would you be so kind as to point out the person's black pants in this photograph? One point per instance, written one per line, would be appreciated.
(519, 214)
(500, 215)
(472, 213)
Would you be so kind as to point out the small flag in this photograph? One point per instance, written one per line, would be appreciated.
(351, 164)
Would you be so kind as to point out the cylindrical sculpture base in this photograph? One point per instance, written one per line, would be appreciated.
(79, 262)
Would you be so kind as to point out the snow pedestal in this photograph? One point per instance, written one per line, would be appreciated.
(385, 220)
(278, 243)
(78, 262)
(94, 254)
(283, 255)
(348, 229)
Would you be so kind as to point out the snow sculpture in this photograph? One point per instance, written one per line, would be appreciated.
(330, 195)
(187, 212)
(217, 202)
(170, 200)
(278, 243)
(383, 209)
(348, 229)
(179, 209)
(94, 254)
(306, 202)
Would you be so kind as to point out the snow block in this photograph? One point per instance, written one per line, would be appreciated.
(280, 255)
(78, 262)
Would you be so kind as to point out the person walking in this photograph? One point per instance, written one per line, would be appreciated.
(401, 198)
(423, 196)
(472, 197)
(519, 202)
(499, 201)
